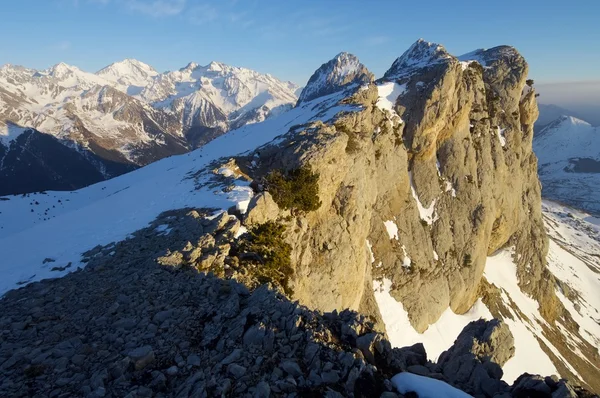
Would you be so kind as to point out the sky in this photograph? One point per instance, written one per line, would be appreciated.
(291, 39)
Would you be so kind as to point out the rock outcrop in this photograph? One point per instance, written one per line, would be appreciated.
(342, 71)
(457, 179)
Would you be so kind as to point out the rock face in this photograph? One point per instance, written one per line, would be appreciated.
(342, 71)
(432, 195)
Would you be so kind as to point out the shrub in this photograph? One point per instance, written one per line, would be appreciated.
(467, 260)
(297, 190)
(266, 243)
(529, 82)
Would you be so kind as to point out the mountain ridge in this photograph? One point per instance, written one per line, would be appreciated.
(129, 113)
(429, 212)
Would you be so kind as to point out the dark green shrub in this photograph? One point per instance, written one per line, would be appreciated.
(264, 244)
(467, 260)
(529, 82)
(297, 190)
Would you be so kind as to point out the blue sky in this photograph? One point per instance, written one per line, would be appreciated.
(290, 39)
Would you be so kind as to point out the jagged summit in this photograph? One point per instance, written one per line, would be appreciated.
(487, 56)
(343, 70)
(420, 55)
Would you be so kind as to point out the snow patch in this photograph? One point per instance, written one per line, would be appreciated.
(388, 94)
(370, 247)
(427, 214)
(501, 137)
(391, 228)
(406, 261)
(438, 337)
(501, 271)
(426, 387)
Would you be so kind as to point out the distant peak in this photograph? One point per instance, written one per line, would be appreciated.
(128, 65)
(216, 66)
(341, 71)
(61, 69)
(190, 66)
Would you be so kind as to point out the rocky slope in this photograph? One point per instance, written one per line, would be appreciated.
(141, 329)
(569, 166)
(430, 215)
(130, 114)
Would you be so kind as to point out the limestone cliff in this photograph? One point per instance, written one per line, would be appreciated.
(432, 184)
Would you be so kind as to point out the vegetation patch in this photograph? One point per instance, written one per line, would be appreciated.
(297, 190)
(265, 248)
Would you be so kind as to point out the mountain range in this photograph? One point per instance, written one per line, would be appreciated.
(126, 115)
(568, 150)
(379, 227)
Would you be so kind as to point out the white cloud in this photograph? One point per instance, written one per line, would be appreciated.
(156, 8)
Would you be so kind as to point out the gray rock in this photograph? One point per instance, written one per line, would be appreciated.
(418, 370)
(142, 356)
(292, 368)
(193, 360)
(162, 316)
(236, 370)
(262, 390)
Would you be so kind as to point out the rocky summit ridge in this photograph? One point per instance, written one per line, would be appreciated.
(419, 202)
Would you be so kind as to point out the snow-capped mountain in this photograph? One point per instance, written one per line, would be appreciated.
(129, 113)
(130, 75)
(342, 71)
(568, 152)
(219, 96)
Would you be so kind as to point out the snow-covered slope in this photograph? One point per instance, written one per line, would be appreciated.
(573, 258)
(568, 152)
(63, 225)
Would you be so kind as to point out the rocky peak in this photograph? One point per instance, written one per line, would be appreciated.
(420, 55)
(342, 71)
(487, 56)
